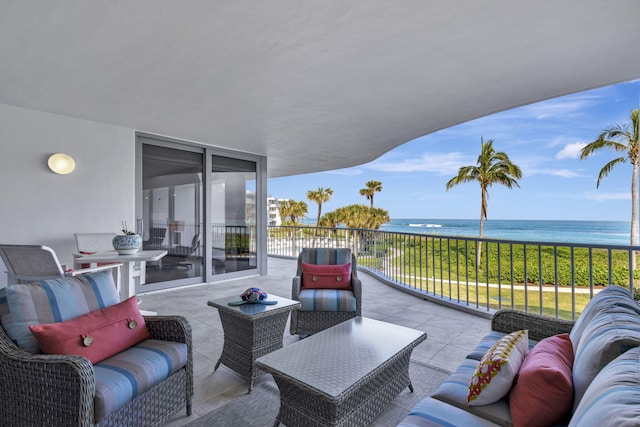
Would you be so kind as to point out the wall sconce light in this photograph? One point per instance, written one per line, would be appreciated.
(61, 163)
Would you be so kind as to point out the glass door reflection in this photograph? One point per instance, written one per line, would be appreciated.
(233, 209)
(172, 215)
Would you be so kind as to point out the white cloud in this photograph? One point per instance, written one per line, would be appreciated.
(570, 151)
(565, 173)
(345, 172)
(560, 106)
(442, 164)
(603, 197)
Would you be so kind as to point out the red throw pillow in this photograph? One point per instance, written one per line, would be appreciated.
(95, 335)
(326, 276)
(543, 392)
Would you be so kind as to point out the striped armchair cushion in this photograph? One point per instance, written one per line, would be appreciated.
(327, 300)
(55, 300)
(128, 374)
(324, 256)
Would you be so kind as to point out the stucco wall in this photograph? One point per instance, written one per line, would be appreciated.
(40, 207)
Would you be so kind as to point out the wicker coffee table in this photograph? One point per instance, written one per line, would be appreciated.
(344, 375)
(251, 331)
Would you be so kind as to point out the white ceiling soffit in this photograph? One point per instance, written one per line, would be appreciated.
(313, 85)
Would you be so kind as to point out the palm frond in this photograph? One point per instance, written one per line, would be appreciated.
(604, 172)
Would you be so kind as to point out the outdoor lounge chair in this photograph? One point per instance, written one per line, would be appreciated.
(180, 254)
(156, 237)
(29, 263)
(322, 308)
(141, 383)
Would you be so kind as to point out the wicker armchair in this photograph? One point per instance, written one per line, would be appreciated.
(54, 390)
(305, 322)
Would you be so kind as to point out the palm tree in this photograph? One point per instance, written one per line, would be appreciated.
(330, 220)
(354, 217)
(621, 139)
(372, 188)
(320, 196)
(377, 217)
(284, 209)
(298, 211)
(290, 213)
(491, 168)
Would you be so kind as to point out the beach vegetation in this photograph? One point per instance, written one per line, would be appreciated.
(292, 212)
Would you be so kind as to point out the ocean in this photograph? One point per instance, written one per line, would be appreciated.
(598, 232)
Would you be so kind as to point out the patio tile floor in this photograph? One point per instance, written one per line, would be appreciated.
(451, 334)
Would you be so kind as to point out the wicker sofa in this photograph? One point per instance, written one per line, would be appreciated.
(126, 389)
(605, 372)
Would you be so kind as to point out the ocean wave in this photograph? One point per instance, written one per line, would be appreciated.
(426, 225)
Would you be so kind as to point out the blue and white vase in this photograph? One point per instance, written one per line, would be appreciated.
(127, 244)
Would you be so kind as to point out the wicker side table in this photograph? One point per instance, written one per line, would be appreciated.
(251, 331)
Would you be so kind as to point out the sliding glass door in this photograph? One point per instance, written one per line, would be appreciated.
(233, 210)
(198, 216)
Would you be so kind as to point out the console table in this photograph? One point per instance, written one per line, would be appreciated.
(129, 272)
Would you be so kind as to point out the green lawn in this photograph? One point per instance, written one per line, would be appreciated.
(504, 297)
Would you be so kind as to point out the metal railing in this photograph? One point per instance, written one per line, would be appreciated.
(550, 278)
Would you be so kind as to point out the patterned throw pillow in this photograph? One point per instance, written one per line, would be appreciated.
(494, 376)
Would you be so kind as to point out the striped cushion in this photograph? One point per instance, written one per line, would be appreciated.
(613, 398)
(611, 295)
(430, 412)
(55, 300)
(614, 330)
(128, 374)
(324, 256)
(327, 300)
(454, 391)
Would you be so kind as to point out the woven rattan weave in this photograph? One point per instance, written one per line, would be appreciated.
(53, 390)
(251, 331)
(539, 327)
(344, 375)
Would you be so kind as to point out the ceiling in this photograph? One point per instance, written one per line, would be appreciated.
(313, 85)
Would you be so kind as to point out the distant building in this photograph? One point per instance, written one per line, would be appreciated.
(273, 210)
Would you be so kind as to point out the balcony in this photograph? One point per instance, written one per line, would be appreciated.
(477, 275)
(427, 282)
(451, 333)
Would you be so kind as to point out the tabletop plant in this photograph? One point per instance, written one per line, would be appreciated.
(126, 231)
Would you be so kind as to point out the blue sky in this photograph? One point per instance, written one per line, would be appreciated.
(544, 139)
